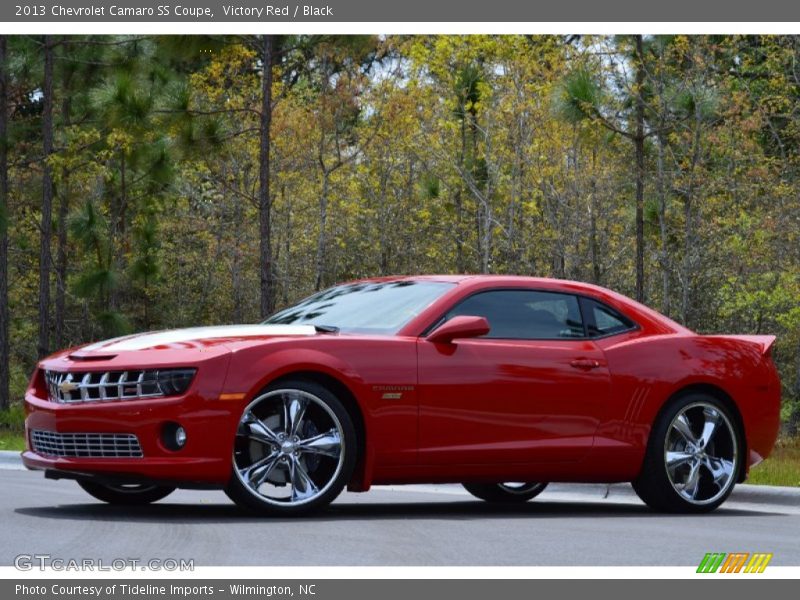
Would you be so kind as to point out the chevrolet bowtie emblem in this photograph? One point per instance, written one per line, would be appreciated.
(66, 387)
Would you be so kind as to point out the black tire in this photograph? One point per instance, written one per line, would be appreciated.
(126, 494)
(505, 493)
(654, 484)
(246, 497)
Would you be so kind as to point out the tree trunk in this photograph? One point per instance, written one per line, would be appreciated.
(593, 247)
(264, 200)
(639, 143)
(689, 215)
(322, 239)
(662, 226)
(47, 202)
(461, 266)
(61, 233)
(4, 316)
(287, 247)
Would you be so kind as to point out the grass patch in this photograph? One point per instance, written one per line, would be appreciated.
(13, 418)
(12, 440)
(782, 467)
(12, 428)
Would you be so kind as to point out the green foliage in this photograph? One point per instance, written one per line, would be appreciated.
(10, 440)
(579, 96)
(408, 155)
(782, 467)
(12, 419)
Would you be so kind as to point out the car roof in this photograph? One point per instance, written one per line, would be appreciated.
(485, 278)
(641, 313)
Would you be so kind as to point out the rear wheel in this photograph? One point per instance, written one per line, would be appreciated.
(693, 456)
(126, 493)
(507, 492)
(295, 450)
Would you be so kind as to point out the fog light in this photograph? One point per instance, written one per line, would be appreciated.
(173, 436)
(180, 437)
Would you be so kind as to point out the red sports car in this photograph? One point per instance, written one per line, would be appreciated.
(497, 382)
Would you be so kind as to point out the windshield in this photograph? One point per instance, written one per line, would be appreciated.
(364, 307)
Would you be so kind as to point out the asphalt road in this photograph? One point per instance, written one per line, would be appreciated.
(417, 525)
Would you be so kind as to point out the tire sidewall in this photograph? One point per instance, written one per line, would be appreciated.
(109, 494)
(495, 492)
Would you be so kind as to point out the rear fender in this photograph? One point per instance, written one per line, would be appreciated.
(648, 372)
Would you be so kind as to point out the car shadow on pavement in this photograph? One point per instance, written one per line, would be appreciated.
(166, 512)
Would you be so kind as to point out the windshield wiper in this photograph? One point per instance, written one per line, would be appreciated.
(326, 328)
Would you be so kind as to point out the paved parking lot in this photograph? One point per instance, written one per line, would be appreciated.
(414, 525)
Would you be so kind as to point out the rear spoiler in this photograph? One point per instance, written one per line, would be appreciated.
(764, 342)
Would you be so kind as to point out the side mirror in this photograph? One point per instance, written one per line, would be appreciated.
(459, 328)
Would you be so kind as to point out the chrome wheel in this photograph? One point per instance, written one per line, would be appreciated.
(506, 492)
(289, 448)
(521, 487)
(701, 453)
(132, 488)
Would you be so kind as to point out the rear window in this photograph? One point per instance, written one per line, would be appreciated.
(603, 320)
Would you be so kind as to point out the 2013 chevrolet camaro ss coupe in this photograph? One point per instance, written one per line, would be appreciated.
(497, 382)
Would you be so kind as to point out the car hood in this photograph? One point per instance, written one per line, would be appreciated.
(190, 338)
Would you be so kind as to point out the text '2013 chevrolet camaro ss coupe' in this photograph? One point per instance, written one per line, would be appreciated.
(497, 382)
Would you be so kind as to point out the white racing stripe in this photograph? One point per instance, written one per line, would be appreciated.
(175, 336)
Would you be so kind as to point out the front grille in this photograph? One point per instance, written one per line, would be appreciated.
(88, 445)
(102, 385)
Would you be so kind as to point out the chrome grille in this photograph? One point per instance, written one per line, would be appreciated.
(68, 387)
(88, 445)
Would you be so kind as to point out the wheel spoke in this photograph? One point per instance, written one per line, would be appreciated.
(721, 470)
(294, 409)
(258, 431)
(257, 473)
(681, 425)
(710, 425)
(326, 444)
(692, 480)
(676, 459)
(302, 484)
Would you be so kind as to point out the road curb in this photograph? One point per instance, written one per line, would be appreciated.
(11, 460)
(743, 493)
(766, 494)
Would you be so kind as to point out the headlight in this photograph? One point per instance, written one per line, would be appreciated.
(174, 382)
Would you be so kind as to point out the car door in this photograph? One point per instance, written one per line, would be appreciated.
(532, 390)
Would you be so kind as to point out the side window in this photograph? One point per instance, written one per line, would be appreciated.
(603, 320)
(523, 314)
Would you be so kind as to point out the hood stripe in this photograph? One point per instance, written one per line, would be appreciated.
(143, 341)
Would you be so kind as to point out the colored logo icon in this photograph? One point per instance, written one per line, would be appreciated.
(734, 562)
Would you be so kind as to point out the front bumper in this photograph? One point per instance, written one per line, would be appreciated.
(204, 461)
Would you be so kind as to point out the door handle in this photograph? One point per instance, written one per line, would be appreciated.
(585, 364)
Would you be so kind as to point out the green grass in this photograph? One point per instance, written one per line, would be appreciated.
(12, 428)
(782, 467)
(12, 440)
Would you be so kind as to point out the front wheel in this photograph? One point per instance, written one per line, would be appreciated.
(508, 492)
(130, 494)
(295, 450)
(693, 456)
